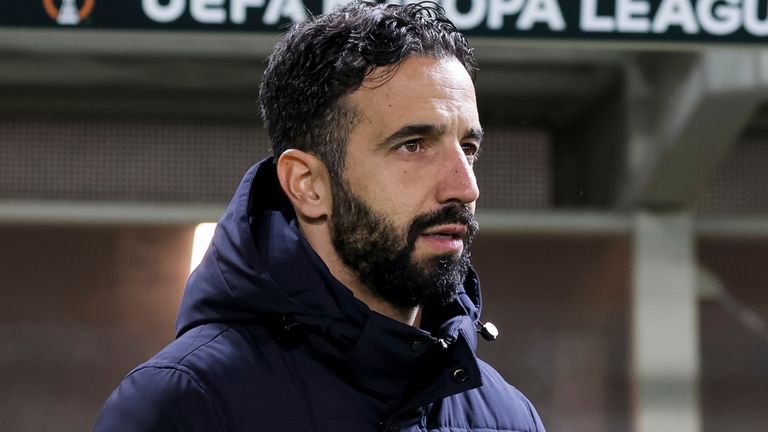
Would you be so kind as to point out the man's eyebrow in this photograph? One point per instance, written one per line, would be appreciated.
(426, 129)
(409, 130)
(475, 133)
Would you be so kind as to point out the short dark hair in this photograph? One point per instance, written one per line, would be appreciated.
(320, 61)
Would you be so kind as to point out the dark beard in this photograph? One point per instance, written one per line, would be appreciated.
(382, 256)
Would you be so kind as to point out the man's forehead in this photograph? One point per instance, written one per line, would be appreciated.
(419, 90)
(447, 72)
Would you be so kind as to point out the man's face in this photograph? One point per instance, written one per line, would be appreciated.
(403, 216)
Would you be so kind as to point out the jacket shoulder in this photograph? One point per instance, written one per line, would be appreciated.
(494, 406)
(165, 393)
(159, 397)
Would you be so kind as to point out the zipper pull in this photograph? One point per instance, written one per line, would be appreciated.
(488, 331)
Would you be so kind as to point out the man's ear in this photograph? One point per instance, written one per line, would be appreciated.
(305, 180)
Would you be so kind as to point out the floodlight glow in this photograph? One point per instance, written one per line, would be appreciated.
(203, 236)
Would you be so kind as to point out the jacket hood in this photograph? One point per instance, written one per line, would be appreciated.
(258, 266)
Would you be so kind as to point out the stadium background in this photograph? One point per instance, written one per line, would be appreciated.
(624, 212)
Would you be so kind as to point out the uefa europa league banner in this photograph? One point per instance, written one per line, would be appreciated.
(740, 21)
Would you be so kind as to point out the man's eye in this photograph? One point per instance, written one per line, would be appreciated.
(411, 146)
(470, 149)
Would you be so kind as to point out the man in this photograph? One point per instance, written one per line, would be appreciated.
(337, 294)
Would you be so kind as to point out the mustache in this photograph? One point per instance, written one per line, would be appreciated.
(453, 213)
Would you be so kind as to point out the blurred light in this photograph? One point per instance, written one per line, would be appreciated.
(203, 236)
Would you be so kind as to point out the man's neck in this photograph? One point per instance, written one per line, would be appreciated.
(407, 315)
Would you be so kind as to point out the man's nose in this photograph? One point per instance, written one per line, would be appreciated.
(457, 178)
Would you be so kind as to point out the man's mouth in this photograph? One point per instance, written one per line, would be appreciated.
(445, 238)
(452, 231)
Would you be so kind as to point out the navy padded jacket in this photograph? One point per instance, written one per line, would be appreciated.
(268, 340)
